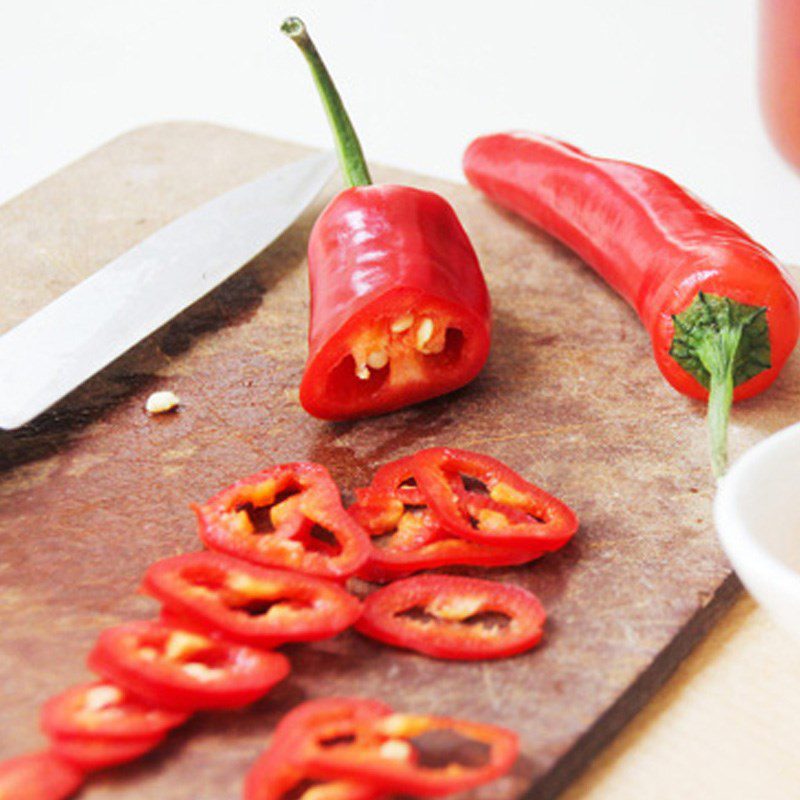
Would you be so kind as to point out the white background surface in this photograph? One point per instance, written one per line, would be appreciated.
(671, 84)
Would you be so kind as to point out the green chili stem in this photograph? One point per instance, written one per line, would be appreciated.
(348, 148)
(717, 351)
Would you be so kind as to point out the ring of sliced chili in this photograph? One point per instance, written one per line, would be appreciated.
(277, 772)
(250, 604)
(409, 537)
(386, 752)
(504, 509)
(103, 710)
(289, 516)
(184, 670)
(448, 616)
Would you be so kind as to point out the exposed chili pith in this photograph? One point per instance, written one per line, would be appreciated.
(103, 710)
(409, 537)
(39, 776)
(399, 307)
(448, 616)
(386, 752)
(246, 603)
(275, 518)
(184, 670)
(505, 510)
(721, 312)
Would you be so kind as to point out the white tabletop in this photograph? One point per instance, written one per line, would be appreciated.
(671, 84)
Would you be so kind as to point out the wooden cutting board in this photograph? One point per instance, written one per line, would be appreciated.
(94, 491)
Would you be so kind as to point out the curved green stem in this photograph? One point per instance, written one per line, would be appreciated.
(722, 343)
(717, 352)
(348, 148)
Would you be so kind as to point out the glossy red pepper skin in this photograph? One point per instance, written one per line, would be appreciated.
(378, 253)
(245, 603)
(102, 710)
(652, 241)
(449, 625)
(183, 670)
(39, 776)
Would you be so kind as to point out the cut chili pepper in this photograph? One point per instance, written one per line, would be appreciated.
(103, 710)
(409, 537)
(289, 516)
(454, 617)
(39, 776)
(504, 509)
(179, 669)
(250, 604)
(276, 773)
(399, 307)
(721, 311)
(389, 752)
(91, 754)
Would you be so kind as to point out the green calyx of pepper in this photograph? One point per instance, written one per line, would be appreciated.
(722, 344)
(348, 148)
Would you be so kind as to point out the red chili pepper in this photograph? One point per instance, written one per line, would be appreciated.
(504, 509)
(183, 670)
(399, 307)
(276, 773)
(250, 604)
(387, 751)
(90, 754)
(453, 617)
(103, 710)
(721, 312)
(411, 536)
(39, 776)
(288, 516)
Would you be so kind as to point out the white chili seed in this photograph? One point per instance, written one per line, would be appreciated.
(402, 324)
(424, 332)
(161, 402)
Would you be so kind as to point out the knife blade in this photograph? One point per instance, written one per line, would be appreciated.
(56, 349)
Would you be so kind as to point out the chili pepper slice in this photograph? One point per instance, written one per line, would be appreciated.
(276, 773)
(250, 604)
(504, 510)
(446, 616)
(409, 537)
(389, 752)
(39, 776)
(103, 710)
(91, 754)
(721, 312)
(184, 670)
(400, 312)
(288, 516)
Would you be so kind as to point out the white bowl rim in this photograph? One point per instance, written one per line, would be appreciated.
(748, 555)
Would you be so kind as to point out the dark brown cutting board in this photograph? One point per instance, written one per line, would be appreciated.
(95, 490)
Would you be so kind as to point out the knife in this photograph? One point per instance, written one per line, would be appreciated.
(52, 352)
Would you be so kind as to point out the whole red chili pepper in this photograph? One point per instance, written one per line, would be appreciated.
(399, 307)
(721, 313)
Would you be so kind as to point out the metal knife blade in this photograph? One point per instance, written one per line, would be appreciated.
(52, 352)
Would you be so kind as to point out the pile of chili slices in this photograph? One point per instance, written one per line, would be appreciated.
(281, 547)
